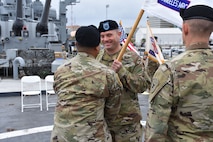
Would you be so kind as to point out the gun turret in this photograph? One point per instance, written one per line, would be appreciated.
(18, 24)
(42, 26)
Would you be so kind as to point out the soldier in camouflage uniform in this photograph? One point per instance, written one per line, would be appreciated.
(126, 127)
(88, 94)
(181, 97)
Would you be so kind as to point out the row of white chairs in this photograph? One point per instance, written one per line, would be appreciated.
(31, 86)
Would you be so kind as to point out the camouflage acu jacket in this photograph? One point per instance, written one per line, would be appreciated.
(132, 78)
(181, 98)
(88, 98)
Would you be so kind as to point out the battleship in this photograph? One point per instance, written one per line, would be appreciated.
(31, 34)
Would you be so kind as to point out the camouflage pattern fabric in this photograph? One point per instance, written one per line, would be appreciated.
(134, 82)
(127, 133)
(88, 98)
(181, 98)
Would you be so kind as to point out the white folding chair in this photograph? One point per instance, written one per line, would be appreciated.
(49, 79)
(31, 86)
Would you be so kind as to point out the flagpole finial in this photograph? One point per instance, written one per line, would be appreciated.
(120, 22)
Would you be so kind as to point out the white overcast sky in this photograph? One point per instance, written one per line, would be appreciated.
(93, 11)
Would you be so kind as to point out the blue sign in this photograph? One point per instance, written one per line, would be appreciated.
(175, 4)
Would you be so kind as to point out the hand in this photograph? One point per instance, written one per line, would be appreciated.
(116, 65)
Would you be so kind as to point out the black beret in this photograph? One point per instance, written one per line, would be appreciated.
(197, 12)
(107, 25)
(88, 36)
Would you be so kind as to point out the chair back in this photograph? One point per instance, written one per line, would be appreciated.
(49, 79)
(31, 86)
(31, 83)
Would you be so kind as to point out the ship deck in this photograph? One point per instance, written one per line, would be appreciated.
(31, 125)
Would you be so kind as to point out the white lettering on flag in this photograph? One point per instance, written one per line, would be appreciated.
(168, 10)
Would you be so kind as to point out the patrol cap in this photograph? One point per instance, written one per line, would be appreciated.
(88, 36)
(107, 25)
(197, 12)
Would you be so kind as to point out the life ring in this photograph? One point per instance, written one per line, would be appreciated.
(7, 39)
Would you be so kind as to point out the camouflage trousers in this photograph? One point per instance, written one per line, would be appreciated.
(127, 133)
(67, 135)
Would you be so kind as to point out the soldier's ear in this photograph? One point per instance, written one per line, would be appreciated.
(97, 48)
(185, 29)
